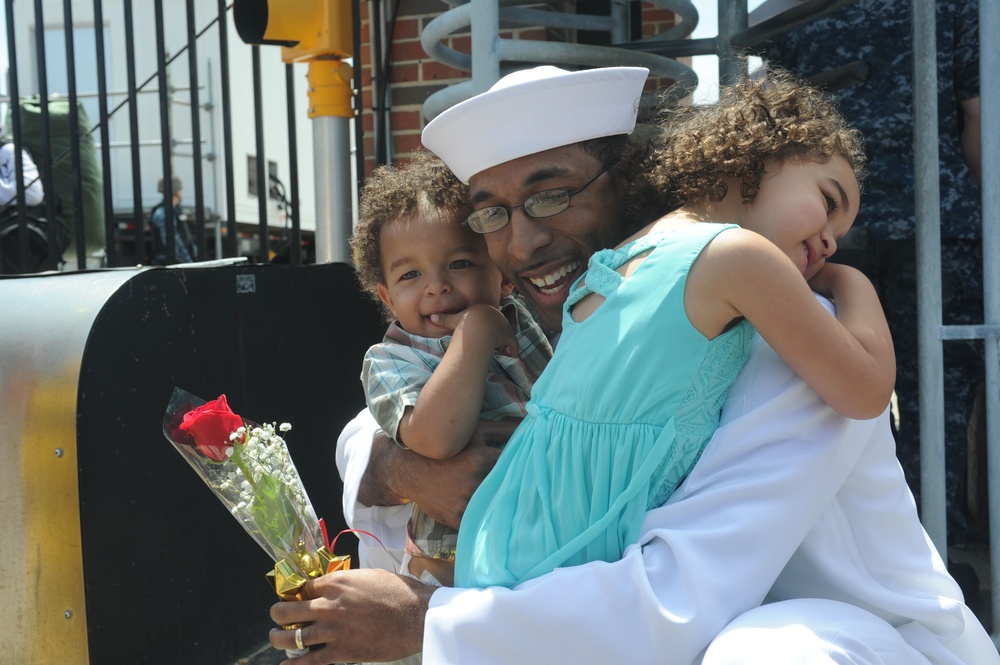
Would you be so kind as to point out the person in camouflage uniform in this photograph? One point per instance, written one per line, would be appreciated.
(862, 54)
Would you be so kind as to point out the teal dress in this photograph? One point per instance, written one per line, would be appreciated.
(624, 409)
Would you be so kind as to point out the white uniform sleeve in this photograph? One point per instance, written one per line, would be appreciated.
(708, 555)
(387, 523)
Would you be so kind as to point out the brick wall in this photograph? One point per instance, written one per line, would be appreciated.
(413, 76)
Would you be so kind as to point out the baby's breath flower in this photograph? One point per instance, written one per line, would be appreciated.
(258, 480)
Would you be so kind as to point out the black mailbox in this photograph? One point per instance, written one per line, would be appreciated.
(116, 552)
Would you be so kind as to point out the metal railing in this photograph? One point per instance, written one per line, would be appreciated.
(108, 224)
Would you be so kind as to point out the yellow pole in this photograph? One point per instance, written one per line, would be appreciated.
(330, 88)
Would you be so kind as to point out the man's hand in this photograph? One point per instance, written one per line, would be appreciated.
(442, 488)
(365, 615)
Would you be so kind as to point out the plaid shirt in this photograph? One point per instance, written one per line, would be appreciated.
(396, 370)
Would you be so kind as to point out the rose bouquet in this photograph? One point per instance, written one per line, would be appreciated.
(249, 469)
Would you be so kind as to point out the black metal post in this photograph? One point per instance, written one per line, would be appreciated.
(165, 141)
(231, 247)
(15, 116)
(111, 252)
(79, 227)
(48, 176)
(295, 251)
(138, 216)
(198, 184)
(263, 182)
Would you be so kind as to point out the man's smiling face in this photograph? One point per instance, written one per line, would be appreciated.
(542, 257)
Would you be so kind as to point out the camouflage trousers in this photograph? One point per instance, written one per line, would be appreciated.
(892, 267)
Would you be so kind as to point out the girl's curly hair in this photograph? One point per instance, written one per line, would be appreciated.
(771, 116)
(425, 186)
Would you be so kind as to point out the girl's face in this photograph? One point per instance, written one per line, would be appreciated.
(434, 264)
(804, 206)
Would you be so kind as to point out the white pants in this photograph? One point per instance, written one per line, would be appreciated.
(810, 632)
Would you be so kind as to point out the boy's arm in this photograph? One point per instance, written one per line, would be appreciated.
(446, 413)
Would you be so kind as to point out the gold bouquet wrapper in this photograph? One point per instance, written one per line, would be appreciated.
(288, 583)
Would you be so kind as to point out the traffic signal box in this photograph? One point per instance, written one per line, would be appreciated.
(306, 30)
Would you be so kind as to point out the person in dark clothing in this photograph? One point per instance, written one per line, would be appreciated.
(184, 246)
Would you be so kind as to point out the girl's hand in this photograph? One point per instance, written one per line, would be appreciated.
(485, 324)
(834, 277)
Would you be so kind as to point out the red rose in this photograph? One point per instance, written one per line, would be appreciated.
(210, 425)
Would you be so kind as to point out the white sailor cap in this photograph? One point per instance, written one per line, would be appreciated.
(533, 110)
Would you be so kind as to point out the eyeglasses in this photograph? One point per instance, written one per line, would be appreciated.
(541, 204)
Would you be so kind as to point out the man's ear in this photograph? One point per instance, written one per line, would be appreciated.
(506, 287)
(383, 294)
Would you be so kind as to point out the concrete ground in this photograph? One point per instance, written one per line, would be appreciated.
(262, 655)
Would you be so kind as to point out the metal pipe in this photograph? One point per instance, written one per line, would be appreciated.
(48, 166)
(198, 184)
(331, 160)
(989, 63)
(619, 21)
(359, 129)
(488, 50)
(262, 179)
(552, 19)
(295, 249)
(79, 223)
(133, 123)
(110, 249)
(168, 185)
(929, 318)
(732, 21)
(15, 116)
(231, 244)
(379, 84)
(116, 93)
(485, 17)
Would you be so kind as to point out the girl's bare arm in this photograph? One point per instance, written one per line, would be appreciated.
(848, 360)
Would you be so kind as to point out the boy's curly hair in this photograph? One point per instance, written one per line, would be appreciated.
(424, 185)
(771, 116)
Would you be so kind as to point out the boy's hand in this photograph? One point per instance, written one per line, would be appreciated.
(483, 323)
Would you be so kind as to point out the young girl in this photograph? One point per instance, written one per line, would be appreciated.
(657, 329)
(428, 386)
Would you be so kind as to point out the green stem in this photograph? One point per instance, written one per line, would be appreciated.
(237, 457)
